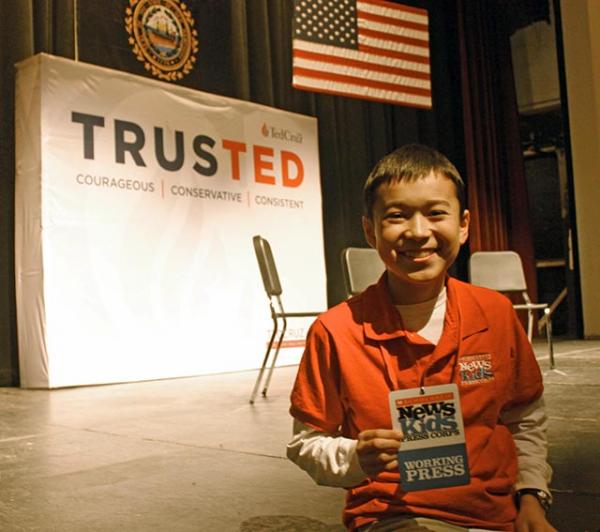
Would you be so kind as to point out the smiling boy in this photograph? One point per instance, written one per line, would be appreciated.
(417, 328)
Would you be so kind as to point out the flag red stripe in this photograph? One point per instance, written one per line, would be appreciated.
(362, 96)
(394, 38)
(397, 7)
(361, 64)
(353, 80)
(392, 21)
(392, 53)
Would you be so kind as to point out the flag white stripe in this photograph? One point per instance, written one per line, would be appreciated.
(397, 13)
(393, 30)
(359, 56)
(324, 66)
(393, 46)
(360, 91)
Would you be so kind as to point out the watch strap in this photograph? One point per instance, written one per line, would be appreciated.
(544, 498)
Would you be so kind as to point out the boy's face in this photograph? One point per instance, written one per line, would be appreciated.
(417, 229)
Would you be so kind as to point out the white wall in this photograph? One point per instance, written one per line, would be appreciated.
(581, 20)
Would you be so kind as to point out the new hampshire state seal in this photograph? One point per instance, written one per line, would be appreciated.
(162, 36)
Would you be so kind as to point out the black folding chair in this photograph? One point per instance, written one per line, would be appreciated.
(270, 278)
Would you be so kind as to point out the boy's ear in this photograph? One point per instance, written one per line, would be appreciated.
(369, 231)
(464, 226)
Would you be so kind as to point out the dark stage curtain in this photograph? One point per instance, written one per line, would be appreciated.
(497, 191)
(15, 44)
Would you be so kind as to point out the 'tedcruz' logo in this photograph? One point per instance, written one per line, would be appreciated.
(281, 133)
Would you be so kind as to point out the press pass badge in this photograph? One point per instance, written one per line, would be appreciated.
(433, 453)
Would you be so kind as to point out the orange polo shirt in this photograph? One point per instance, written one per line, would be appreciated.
(358, 351)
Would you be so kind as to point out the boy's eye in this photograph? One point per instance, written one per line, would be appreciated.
(396, 215)
(437, 212)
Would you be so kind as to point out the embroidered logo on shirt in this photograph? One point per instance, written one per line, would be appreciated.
(476, 369)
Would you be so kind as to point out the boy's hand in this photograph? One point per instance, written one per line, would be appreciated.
(531, 516)
(377, 450)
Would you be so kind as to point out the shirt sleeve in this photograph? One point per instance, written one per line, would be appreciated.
(528, 425)
(330, 460)
(315, 397)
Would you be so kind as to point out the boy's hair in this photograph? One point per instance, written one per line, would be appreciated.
(410, 162)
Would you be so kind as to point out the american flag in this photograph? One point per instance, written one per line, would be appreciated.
(369, 49)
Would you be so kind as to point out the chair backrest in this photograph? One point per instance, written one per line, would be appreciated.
(362, 267)
(266, 264)
(498, 270)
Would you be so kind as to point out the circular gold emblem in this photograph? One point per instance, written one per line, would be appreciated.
(162, 36)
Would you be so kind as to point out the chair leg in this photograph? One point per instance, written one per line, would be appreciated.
(270, 374)
(549, 337)
(264, 364)
(530, 325)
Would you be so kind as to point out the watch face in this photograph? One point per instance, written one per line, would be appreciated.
(544, 499)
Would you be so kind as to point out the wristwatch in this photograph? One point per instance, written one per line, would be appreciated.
(543, 498)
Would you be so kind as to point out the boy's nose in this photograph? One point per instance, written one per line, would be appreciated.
(418, 227)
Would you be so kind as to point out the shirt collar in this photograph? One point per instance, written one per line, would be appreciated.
(381, 320)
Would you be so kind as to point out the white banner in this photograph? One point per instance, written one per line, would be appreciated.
(136, 203)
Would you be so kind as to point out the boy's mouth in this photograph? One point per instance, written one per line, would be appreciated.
(418, 254)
